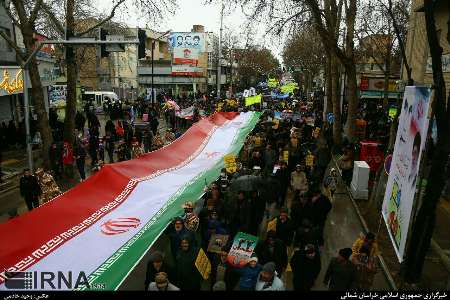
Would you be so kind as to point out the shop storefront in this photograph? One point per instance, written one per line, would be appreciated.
(11, 86)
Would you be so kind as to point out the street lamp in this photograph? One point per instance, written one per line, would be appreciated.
(153, 50)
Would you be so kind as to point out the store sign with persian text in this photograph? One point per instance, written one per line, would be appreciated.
(11, 81)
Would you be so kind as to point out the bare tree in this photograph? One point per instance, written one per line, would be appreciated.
(24, 14)
(154, 9)
(305, 50)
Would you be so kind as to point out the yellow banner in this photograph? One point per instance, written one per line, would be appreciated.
(272, 83)
(309, 160)
(230, 163)
(289, 88)
(253, 100)
(203, 265)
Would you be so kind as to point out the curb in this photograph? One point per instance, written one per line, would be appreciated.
(383, 264)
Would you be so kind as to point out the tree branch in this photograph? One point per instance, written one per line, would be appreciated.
(111, 15)
(35, 11)
(58, 25)
(12, 44)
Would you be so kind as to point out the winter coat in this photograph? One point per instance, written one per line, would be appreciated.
(277, 284)
(151, 273)
(176, 236)
(340, 275)
(29, 187)
(278, 255)
(360, 242)
(187, 276)
(299, 181)
(320, 209)
(305, 270)
(170, 287)
(285, 231)
(249, 276)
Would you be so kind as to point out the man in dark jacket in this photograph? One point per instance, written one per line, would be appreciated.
(176, 233)
(80, 157)
(285, 228)
(240, 214)
(30, 189)
(341, 272)
(273, 250)
(155, 265)
(187, 276)
(306, 267)
(321, 206)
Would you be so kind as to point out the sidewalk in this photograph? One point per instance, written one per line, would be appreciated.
(435, 275)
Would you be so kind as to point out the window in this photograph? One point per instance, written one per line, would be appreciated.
(4, 46)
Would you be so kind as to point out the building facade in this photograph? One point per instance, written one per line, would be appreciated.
(417, 50)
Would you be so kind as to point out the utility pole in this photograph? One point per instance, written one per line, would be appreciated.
(219, 71)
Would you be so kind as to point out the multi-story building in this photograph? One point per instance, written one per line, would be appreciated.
(8, 97)
(417, 50)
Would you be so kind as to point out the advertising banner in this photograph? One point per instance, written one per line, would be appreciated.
(57, 95)
(242, 249)
(185, 56)
(186, 70)
(190, 40)
(402, 181)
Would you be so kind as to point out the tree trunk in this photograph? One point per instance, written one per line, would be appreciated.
(329, 88)
(71, 99)
(352, 97)
(337, 124)
(387, 74)
(423, 227)
(38, 97)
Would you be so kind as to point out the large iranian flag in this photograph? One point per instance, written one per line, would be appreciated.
(105, 225)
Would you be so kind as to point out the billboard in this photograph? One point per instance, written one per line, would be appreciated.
(186, 50)
(186, 70)
(190, 40)
(402, 181)
(186, 56)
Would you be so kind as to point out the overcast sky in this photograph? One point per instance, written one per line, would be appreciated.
(195, 12)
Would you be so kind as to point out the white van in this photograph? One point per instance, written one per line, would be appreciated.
(100, 97)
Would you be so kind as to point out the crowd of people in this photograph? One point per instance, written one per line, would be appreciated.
(286, 159)
(286, 208)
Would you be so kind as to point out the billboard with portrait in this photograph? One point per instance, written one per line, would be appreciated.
(190, 40)
(403, 176)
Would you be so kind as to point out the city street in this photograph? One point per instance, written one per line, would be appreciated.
(223, 145)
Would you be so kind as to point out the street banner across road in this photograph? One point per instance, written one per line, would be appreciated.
(402, 181)
(105, 225)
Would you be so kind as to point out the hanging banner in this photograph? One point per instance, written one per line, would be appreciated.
(253, 100)
(402, 181)
(242, 249)
(203, 264)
